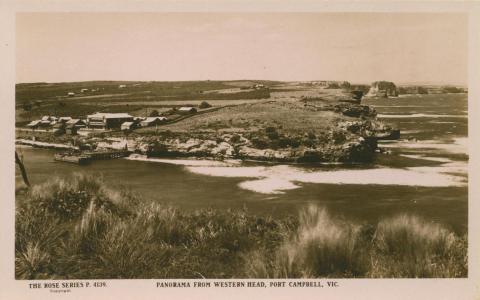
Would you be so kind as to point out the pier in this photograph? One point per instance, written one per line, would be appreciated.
(86, 157)
(101, 155)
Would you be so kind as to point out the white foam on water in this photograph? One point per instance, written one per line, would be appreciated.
(461, 141)
(411, 131)
(449, 168)
(400, 106)
(45, 144)
(268, 185)
(280, 178)
(276, 179)
(420, 115)
(458, 146)
(230, 171)
(184, 162)
(439, 159)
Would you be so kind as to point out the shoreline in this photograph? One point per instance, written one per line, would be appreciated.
(203, 149)
(322, 131)
(144, 157)
(45, 145)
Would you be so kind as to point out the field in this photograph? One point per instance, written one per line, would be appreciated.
(289, 116)
(34, 100)
(112, 89)
(77, 228)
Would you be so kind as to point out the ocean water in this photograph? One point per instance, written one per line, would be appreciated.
(423, 173)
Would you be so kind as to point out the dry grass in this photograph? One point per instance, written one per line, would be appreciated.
(289, 116)
(399, 247)
(76, 228)
(407, 246)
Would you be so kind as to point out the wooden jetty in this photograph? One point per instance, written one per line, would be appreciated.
(101, 155)
(71, 158)
(88, 156)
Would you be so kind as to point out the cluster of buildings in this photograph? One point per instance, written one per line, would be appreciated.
(101, 121)
(258, 86)
(57, 124)
(97, 121)
(82, 91)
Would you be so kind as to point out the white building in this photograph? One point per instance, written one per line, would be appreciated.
(187, 110)
(152, 121)
(127, 126)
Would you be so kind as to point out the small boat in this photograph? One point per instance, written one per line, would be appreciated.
(72, 158)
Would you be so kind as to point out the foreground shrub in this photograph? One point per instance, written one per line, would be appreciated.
(403, 246)
(76, 228)
(321, 247)
(407, 246)
(68, 199)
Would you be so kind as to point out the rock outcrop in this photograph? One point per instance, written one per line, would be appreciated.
(382, 89)
(346, 141)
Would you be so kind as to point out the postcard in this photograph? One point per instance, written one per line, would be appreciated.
(170, 150)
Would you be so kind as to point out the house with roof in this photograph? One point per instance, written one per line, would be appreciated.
(59, 128)
(187, 110)
(34, 124)
(72, 126)
(76, 122)
(108, 121)
(128, 125)
(64, 119)
(46, 121)
(153, 121)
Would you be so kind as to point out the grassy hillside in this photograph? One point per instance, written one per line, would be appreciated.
(291, 116)
(77, 228)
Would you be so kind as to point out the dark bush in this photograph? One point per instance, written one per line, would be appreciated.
(204, 105)
(154, 113)
(259, 143)
(235, 139)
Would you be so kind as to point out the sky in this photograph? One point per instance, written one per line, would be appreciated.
(356, 47)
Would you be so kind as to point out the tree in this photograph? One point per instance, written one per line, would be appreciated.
(154, 113)
(204, 104)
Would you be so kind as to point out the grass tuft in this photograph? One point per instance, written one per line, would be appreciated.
(408, 246)
(77, 228)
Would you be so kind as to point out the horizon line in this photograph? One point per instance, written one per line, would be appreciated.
(231, 80)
